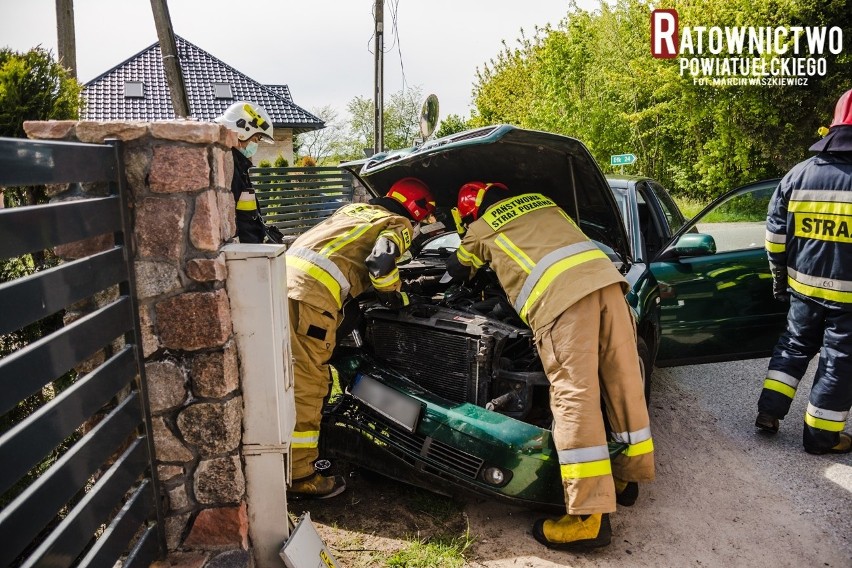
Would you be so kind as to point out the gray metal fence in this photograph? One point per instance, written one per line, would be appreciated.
(295, 199)
(76, 478)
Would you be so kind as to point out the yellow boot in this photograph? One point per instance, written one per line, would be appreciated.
(574, 532)
(844, 446)
(626, 492)
(316, 487)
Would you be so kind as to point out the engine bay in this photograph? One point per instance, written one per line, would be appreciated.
(462, 342)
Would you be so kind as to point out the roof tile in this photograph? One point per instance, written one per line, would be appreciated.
(104, 95)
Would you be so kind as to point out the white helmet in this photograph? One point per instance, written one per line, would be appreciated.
(247, 119)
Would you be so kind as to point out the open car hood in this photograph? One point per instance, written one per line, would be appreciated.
(525, 160)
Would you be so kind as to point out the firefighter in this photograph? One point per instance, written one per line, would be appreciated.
(252, 125)
(572, 297)
(332, 263)
(809, 243)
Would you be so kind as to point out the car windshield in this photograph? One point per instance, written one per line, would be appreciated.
(448, 242)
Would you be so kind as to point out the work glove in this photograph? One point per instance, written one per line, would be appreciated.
(456, 270)
(413, 300)
(779, 283)
(461, 228)
(399, 300)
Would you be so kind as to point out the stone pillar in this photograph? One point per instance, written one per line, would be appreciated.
(179, 175)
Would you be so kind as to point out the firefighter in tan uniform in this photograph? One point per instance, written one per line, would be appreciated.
(572, 297)
(357, 247)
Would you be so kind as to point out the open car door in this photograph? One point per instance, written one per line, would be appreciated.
(715, 284)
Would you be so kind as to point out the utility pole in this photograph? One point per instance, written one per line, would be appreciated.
(378, 95)
(66, 44)
(171, 64)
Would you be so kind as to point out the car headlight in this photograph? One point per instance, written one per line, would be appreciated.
(496, 476)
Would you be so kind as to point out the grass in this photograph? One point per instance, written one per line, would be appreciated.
(744, 208)
(439, 553)
(689, 206)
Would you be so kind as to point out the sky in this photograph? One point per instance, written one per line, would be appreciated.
(322, 49)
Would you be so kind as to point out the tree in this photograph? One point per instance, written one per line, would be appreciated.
(33, 86)
(401, 122)
(452, 124)
(593, 77)
(326, 143)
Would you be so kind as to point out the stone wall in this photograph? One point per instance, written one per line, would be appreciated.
(179, 175)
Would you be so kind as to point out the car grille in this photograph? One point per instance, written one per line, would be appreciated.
(420, 451)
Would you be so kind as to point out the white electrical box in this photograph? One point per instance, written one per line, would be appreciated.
(305, 548)
(257, 289)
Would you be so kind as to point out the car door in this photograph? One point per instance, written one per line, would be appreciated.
(715, 285)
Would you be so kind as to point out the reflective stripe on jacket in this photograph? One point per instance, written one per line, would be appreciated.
(327, 263)
(809, 229)
(543, 260)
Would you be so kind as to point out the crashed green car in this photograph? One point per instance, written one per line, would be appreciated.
(450, 395)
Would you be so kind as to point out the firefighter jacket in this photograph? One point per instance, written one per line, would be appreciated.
(809, 229)
(241, 188)
(542, 259)
(329, 263)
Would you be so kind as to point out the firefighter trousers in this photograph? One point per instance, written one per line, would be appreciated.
(589, 353)
(812, 328)
(312, 340)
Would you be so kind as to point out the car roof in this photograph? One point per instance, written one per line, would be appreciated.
(623, 182)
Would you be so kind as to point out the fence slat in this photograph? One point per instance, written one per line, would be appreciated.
(25, 445)
(50, 357)
(144, 552)
(27, 229)
(31, 511)
(23, 301)
(301, 194)
(122, 528)
(77, 529)
(29, 162)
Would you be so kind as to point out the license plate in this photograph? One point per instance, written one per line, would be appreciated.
(390, 403)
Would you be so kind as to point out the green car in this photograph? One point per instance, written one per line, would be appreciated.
(449, 395)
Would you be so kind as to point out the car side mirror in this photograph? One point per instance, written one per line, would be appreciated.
(694, 244)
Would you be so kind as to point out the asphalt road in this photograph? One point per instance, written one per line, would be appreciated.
(725, 495)
(818, 487)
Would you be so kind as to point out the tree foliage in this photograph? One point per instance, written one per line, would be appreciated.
(325, 144)
(593, 77)
(33, 86)
(452, 124)
(401, 122)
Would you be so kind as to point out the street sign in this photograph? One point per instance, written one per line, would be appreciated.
(622, 159)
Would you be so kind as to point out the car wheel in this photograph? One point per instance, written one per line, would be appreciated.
(646, 366)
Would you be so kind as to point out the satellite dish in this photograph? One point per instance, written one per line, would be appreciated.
(429, 116)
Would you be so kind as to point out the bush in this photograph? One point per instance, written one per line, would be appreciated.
(281, 162)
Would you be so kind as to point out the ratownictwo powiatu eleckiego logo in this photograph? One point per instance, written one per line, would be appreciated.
(744, 55)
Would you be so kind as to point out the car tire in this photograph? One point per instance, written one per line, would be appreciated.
(646, 366)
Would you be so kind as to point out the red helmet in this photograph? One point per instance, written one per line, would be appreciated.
(414, 196)
(471, 195)
(843, 110)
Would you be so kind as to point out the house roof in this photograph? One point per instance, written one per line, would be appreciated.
(104, 96)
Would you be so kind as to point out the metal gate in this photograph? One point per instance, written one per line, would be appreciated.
(295, 199)
(77, 481)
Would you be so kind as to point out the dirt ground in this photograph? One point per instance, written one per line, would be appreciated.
(709, 506)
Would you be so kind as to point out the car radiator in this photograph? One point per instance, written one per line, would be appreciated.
(448, 352)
